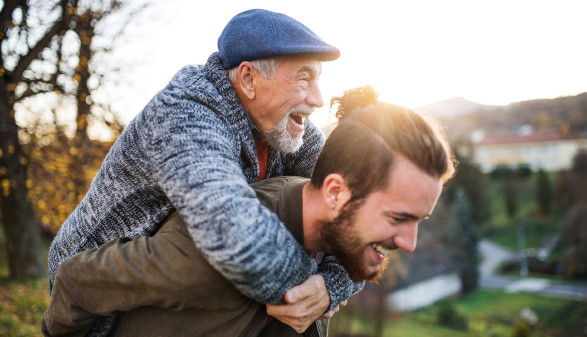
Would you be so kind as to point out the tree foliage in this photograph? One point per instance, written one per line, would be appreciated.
(510, 200)
(571, 189)
(52, 191)
(571, 185)
(543, 194)
(473, 182)
(27, 33)
(47, 53)
(466, 241)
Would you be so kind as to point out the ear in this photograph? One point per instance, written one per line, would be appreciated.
(335, 192)
(246, 79)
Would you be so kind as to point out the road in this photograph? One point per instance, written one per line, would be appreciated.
(494, 254)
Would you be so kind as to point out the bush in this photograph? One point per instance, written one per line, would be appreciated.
(543, 194)
(449, 317)
(521, 329)
(502, 172)
(524, 171)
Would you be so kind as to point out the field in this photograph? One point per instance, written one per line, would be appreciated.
(488, 314)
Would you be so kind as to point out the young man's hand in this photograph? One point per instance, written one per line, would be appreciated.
(331, 313)
(306, 303)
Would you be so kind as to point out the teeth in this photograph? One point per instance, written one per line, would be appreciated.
(303, 115)
(382, 250)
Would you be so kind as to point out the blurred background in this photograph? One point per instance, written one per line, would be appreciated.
(502, 255)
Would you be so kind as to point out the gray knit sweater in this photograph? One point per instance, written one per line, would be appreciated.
(192, 149)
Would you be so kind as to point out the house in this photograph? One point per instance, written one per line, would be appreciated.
(552, 151)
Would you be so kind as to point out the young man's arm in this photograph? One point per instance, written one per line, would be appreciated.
(164, 271)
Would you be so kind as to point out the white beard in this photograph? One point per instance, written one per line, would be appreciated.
(281, 138)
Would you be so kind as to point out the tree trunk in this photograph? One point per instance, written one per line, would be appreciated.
(86, 33)
(22, 236)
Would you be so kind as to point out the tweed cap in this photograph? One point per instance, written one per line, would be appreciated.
(258, 34)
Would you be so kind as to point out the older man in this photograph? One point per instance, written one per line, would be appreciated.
(198, 144)
(380, 173)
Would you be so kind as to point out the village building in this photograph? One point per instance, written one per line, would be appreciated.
(551, 151)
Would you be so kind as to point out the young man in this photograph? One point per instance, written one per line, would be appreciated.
(379, 174)
(198, 144)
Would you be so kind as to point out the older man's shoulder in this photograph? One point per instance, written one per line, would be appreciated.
(191, 82)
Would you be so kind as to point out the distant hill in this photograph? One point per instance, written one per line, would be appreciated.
(453, 107)
(565, 115)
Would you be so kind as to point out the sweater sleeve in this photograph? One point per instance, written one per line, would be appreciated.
(340, 286)
(193, 158)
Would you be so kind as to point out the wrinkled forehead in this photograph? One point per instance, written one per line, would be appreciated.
(297, 64)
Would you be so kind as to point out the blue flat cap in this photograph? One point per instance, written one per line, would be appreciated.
(258, 34)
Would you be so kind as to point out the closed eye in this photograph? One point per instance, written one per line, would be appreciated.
(394, 221)
(305, 77)
(401, 218)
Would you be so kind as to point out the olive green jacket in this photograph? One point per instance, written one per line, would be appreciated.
(163, 286)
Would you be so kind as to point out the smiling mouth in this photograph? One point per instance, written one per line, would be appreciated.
(382, 251)
(299, 118)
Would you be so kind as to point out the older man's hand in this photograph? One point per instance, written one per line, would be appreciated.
(306, 303)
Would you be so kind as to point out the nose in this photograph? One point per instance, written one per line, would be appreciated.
(314, 97)
(407, 237)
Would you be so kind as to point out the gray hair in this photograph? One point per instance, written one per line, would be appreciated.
(265, 66)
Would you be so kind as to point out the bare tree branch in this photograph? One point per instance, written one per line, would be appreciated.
(56, 29)
(6, 17)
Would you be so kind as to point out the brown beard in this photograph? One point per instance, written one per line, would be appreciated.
(341, 240)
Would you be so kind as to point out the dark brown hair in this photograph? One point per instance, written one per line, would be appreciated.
(369, 135)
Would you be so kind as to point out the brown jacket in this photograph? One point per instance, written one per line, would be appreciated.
(176, 291)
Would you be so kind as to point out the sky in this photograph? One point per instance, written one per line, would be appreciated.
(413, 52)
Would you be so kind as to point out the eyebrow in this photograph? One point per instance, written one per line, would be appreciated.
(393, 214)
(314, 71)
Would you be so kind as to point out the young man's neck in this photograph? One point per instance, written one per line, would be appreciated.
(313, 213)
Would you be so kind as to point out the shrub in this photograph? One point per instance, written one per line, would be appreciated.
(449, 317)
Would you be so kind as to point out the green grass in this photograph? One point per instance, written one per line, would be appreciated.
(22, 301)
(409, 326)
(22, 304)
(489, 314)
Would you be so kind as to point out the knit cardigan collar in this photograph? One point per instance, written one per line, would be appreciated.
(234, 114)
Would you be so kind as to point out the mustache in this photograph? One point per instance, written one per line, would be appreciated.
(301, 109)
(387, 244)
